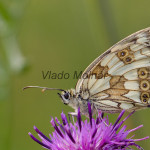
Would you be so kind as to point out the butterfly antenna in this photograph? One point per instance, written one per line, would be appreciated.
(43, 88)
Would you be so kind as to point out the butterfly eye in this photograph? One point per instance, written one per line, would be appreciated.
(143, 73)
(66, 95)
(144, 97)
(144, 85)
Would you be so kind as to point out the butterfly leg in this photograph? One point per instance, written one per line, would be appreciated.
(102, 113)
(72, 114)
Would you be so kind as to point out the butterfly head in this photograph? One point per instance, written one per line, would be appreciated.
(65, 96)
(69, 98)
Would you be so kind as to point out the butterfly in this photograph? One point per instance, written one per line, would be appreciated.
(116, 80)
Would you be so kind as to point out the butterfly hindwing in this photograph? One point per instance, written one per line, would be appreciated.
(120, 77)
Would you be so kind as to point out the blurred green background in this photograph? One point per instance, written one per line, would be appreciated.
(56, 35)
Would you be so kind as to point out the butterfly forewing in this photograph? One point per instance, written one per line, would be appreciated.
(120, 77)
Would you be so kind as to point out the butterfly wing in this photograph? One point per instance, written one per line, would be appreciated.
(120, 77)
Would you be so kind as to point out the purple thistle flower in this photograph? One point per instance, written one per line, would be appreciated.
(96, 134)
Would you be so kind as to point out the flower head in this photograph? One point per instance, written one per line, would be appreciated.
(95, 134)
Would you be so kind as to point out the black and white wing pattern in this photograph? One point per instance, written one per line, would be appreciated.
(120, 77)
